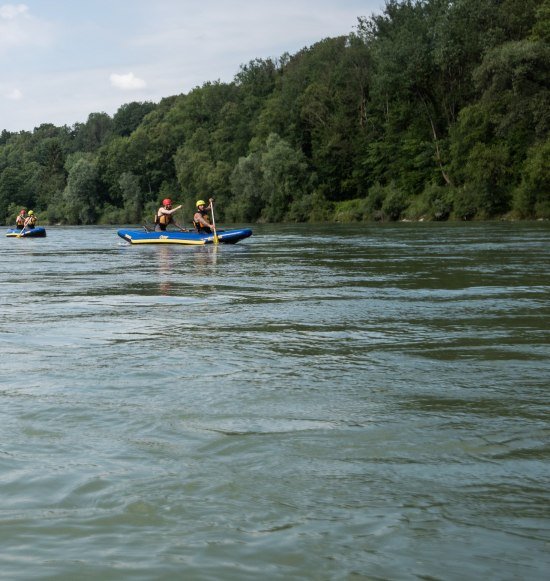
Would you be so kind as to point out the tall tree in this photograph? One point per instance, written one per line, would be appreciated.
(129, 116)
(82, 196)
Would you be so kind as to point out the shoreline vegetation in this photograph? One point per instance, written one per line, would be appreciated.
(431, 110)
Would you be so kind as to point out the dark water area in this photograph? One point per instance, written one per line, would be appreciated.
(315, 402)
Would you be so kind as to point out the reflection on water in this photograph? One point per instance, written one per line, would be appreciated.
(165, 268)
(323, 402)
(204, 258)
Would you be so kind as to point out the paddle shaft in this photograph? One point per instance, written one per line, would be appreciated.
(216, 240)
(148, 228)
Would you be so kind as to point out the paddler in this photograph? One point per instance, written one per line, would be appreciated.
(165, 216)
(20, 220)
(30, 221)
(200, 218)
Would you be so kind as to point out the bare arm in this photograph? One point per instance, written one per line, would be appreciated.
(169, 212)
(201, 220)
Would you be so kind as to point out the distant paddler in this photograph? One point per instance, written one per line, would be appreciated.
(20, 220)
(30, 221)
(165, 216)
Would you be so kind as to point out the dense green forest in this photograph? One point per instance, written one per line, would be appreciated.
(432, 109)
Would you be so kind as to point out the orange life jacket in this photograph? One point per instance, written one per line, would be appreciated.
(163, 219)
(200, 227)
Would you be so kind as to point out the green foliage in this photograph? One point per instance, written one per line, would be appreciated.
(55, 213)
(395, 203)
(285, 178)
(265, 185)
(375, 200)
(382, 203)
(94, 133)
(465, 203)
(132, 195)
(434, 203)
(541, 28)
(81, 196)
(312, 207)
(514, 78)
(473, 127)
(12, 186)
(532, 197)
(129, 116)
(113, 215)
(246, 186)
(351, 210)
(488, 171)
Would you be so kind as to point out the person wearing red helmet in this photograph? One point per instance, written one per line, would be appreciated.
(165, 216)
(20, 220)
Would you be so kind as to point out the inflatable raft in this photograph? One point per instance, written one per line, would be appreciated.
(38, 232)
(177, 237)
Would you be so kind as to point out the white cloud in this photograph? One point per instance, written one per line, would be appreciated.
(127, 82)
(19, 29)
(11, 11)
(14, 95)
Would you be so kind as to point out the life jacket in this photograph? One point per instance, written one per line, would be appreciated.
(20, 221)
(163, 219)
(32, 221)
(200, 227)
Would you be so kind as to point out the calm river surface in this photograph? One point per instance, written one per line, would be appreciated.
(326, 402)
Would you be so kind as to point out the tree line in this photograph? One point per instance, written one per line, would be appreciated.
(432, 109)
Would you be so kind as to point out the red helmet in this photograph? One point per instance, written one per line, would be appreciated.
(167, 202)
(22, 211)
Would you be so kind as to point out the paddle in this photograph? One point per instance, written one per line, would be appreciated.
(148, 229)
(21, 233)
(179, 227)
(216, 239)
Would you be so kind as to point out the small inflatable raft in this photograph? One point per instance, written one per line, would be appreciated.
(38, 232)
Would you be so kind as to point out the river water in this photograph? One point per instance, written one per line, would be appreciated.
(315, 402)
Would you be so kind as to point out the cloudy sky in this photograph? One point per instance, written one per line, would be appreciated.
(61, 60)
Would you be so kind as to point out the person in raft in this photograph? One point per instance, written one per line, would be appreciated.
(20, 220)
(30, 221)
(165, 216)
(200, 218)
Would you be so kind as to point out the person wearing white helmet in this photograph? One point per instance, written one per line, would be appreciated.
(200, 218)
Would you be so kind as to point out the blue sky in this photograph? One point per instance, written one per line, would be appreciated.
(63, 59)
